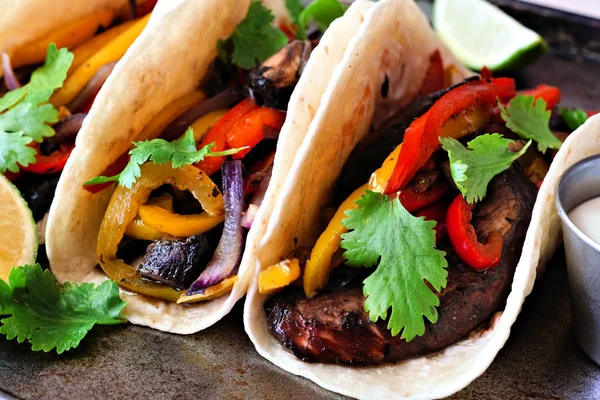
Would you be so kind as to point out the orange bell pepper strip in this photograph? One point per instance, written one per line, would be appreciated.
(421, 139)
(70, 35)
(550, 94)
(478, 256)
(250, 130)
(123, 208)
(175, 224)
(113, 51)
(218, 135)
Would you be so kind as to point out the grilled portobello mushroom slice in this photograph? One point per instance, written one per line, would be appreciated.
(333, 326)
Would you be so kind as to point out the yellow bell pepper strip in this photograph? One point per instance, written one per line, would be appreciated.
(205, 123)
(318, 266)
(82, 52)
(176, 224)
(68, 36)
(113, 51)
(212, 292)
(278, 276)
(123, 208)
(169, 114)
(137, 229)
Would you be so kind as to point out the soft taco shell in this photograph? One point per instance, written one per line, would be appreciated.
(394, 41)
(156, 70)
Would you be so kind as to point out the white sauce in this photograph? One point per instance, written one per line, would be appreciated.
(586, 217)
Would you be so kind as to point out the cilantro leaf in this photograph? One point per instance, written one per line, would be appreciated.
(179, 152)
(14, 151)
(383, 232)
(530, 121)
(573, 117)
(323, 12)
(254, 39)
(25, 112)
(473, 169)
(49, 316)
(295, 9)
(44, 80)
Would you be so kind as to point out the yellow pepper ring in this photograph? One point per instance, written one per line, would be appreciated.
(112, 51)
(137, 229)
(68, 36)
(123, 208)
(175, 224)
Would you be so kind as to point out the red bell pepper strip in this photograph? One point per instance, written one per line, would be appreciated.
(414, 201)
(145, 8)
(52, 163)
(250, 129)
(434, 77)
(436, 212)
(218, 135)
(478, 256)
(550, 94)
(421, 139)
(590, 113)
(112, 170)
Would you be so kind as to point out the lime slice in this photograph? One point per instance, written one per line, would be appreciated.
(18, 234)
(480, 34)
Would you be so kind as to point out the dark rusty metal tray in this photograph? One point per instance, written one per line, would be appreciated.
(540, 360)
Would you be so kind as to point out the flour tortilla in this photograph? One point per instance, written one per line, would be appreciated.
(167, 61)
(23, 21)
(394, 41)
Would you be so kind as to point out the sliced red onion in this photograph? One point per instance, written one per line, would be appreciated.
(258, 197)
(10, 79)
(222, 100)
(227, 256)
(92, 87)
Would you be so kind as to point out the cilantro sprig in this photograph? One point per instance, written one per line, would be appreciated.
(402, 246)
(49, 316)
(474, 167)
(179, 152)
(25, 114)
(254, 39)
(530, 120)
(574, 117)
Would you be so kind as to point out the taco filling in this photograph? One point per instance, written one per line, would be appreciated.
(422, 253)
(46, 94)
(189, 189)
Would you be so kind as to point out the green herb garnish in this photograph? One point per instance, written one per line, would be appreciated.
(179, 152)
(473, 168)
(51, 317)
(402, 246)
(25, 114)
(530, 121)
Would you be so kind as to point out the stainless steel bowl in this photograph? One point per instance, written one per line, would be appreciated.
(578, 184)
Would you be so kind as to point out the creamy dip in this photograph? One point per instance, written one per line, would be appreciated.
(586, 217)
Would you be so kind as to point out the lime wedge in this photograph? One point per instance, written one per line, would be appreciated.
(18, 235)
(480, 34)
